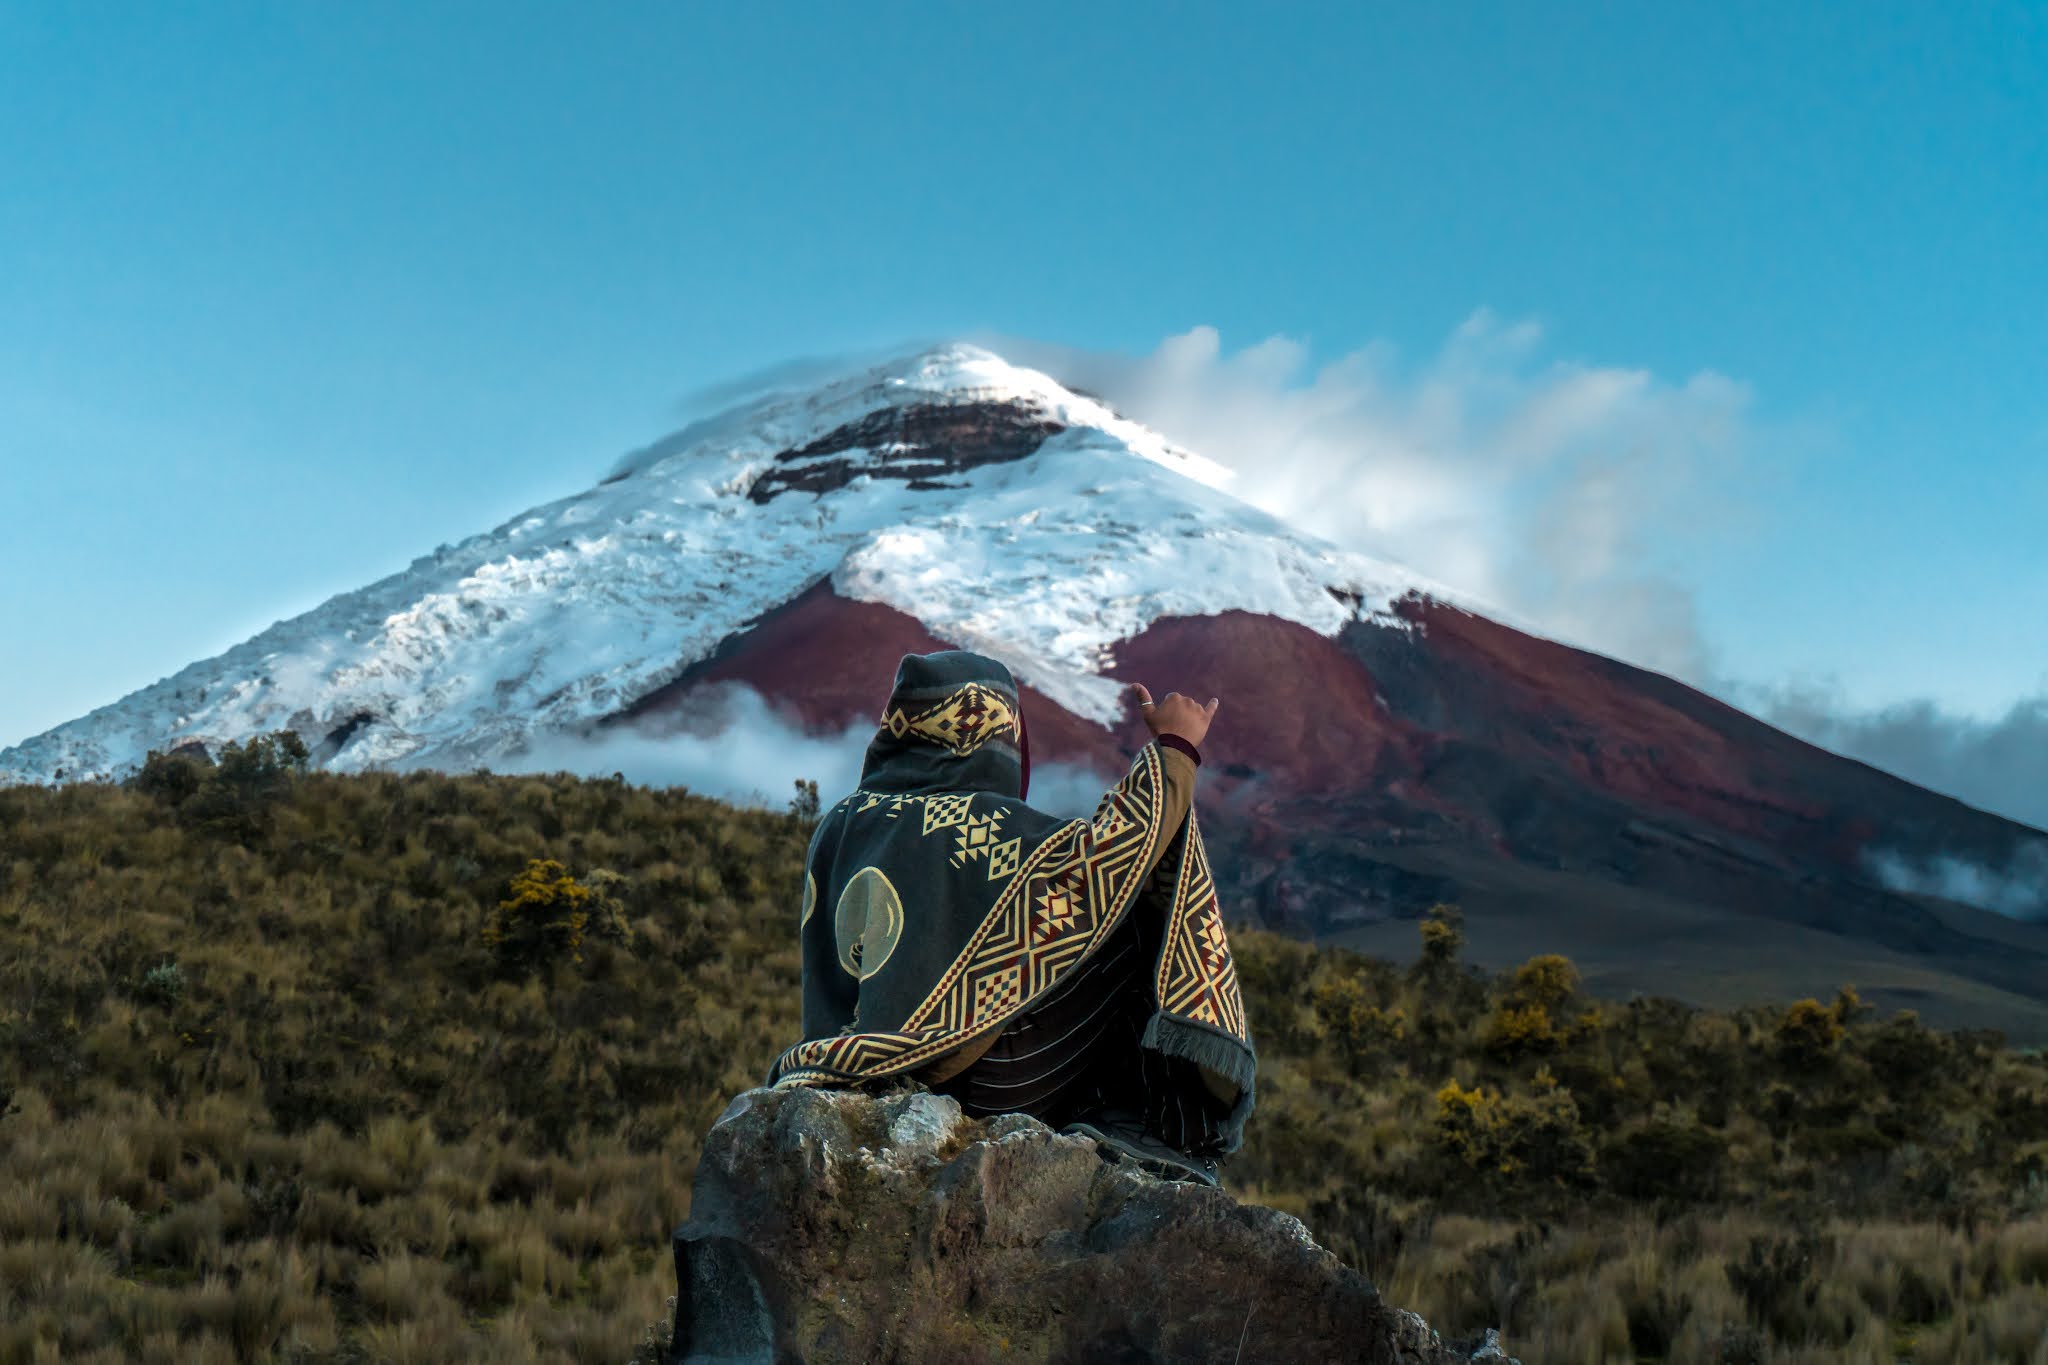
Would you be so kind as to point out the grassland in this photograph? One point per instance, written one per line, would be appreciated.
(308, 1067)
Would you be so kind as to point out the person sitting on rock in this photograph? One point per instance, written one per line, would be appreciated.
(1074, 970)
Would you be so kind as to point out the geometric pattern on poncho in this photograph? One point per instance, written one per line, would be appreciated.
(1058, 906)
(1197, 976)
(981, 837)
(975, 837)
(961, 722)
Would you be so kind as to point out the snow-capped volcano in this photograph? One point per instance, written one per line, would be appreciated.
(1382, 745)
(1007, 513)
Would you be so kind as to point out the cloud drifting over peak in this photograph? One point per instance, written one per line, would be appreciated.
(1541, 487)
(1550, 490)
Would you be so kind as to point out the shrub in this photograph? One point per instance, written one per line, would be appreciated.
(607, 906)
(163, 984)
(1357, 1023)
(1807, 1035)
(1905, 1056)
(1514, 1031)
(1777, 1277)
(1529, 1019)
(1516, 1141)
(541, 918)
(1922, 1298)
(1665, 1158)
(1547, 982)
(236, 798)
(1654, 1317)
(1443, 939)
(805, 806)
(169, 778)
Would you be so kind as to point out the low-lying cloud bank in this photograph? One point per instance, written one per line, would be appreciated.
(740, 749)
(1998, 765)
(2020, 889)
(735, 748)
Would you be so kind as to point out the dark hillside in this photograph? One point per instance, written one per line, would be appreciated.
(308, 1067)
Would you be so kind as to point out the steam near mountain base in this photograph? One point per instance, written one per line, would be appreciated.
(2019, 889)
(742, 750)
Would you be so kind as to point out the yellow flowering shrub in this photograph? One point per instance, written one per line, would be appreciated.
(543, 915)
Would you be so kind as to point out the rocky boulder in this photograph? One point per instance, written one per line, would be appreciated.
(838, 1226)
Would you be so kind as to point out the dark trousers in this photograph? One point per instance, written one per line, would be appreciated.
(1076, 1056)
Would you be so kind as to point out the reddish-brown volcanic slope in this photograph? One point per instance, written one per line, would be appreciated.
(814, 656)
(1658, 746)
(1456, 720)
(1353, 780)
(829, 661)
(1297, 710)
(1301, 714)
(1610, 729)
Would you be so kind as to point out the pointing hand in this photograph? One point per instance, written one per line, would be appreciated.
(1175, 714)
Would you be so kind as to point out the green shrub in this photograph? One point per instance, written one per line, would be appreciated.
(169, 778)
(1531, 1017)
(1361, 1028)
(1665, 1157)
(1778, 1279)
(163, 984)
(235, 799)
(1443, 939)
(806, 805)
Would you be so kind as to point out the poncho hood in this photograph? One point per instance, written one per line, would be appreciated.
(953, 723)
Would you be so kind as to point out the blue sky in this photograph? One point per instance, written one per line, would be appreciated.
(289, 294)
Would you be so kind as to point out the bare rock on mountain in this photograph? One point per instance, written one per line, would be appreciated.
(836, 1226)
(193, 749)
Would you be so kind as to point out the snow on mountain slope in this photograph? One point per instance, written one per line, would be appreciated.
(1007, 513)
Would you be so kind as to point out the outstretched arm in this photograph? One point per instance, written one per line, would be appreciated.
(1178, 724)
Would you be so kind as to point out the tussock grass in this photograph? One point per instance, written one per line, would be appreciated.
(307, 1067)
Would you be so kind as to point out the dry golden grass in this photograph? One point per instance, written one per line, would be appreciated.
(269, 1092)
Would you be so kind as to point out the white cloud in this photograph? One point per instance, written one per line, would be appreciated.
(735, 746)
(1998, 765)
(2020, 889)
(1543, 486)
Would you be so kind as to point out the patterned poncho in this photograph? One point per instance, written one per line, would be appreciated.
(937, 906)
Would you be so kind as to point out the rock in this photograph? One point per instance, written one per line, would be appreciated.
(838, 1226)
(193, 749)
(919, 443)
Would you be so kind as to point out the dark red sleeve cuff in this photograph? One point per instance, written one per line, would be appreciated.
(1176, 742)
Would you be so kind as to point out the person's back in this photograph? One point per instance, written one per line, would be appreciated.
(1073, 970)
